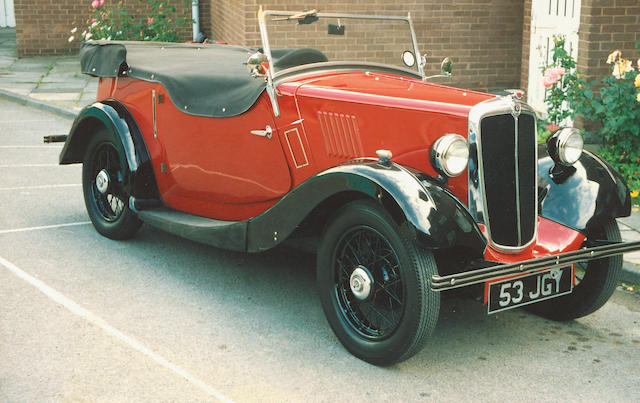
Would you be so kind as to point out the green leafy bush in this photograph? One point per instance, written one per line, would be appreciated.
(559, 79)
(613, 102)
(112, 20)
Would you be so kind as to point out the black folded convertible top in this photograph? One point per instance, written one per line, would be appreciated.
(203, 80)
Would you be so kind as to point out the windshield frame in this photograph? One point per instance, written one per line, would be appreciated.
(262, 24)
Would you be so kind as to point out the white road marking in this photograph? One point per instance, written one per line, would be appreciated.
(31, 146)
(30, 165)
(42, 186)
(102, 324)
(72, 224)
(28, 121)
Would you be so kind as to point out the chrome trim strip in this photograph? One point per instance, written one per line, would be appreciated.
(474, 197)
(293, 156)
(297, 72)
(499, 271)
(517, 168)
(476, 185)
(271, 89)
(153, 103)
(416, 50)
(340, 15)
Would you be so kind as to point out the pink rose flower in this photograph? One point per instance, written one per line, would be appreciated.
(93, 20)
(102, 2)
(552, 127)
(552, 75)
(95, 4)
(149, 20)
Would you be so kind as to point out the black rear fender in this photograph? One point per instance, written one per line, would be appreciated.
(112, 116)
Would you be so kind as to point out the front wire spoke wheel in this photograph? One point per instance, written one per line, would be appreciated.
(374, 285)
(373, 315)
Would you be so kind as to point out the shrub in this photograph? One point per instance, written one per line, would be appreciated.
(112, 20)
(559, 79)
(613, 102)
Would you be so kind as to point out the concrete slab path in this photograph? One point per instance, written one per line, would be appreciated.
(54, 83)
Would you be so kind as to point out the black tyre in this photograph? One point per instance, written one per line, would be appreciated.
(103, 173)
(595, 282)
(374, 285)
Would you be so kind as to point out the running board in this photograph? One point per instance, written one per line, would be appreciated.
(230, 235)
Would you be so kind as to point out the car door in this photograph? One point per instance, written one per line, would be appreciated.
(225, 168)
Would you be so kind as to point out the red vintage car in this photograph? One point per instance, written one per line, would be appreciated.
(333, 131)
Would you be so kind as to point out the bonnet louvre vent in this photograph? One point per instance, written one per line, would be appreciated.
(340, 135)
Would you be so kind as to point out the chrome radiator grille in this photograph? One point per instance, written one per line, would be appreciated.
(504, 148)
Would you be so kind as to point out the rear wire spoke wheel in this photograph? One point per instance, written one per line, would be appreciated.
(104, 188)
(595, 281)
(103, 176)
(581, 269)
(374, 281)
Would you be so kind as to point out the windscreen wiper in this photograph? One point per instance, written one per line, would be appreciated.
(305, 17)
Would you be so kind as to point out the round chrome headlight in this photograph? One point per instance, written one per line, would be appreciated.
(568, 146)
(450, 155)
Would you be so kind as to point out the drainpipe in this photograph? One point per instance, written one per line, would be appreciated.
(196, 19)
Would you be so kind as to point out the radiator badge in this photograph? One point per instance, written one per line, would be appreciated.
(515, 108)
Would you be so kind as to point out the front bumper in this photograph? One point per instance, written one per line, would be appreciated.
(489, 271)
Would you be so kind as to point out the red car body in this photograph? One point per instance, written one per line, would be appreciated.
(324, 122)
(322, 118)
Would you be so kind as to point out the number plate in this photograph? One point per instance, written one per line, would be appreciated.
(531, 288)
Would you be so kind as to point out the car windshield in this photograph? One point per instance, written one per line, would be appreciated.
(292, 39)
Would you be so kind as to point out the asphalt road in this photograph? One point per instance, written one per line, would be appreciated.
(159, 318)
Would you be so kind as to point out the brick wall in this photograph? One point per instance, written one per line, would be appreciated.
(526, 43)
(204, 12)
(229, 21)
(607, 25)
(488, 40)
(43, 26)
(483, 37)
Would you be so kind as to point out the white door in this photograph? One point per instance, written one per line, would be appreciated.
(7, 17)
(548, 18)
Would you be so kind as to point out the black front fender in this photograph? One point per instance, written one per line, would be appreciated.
(118, 121)
(436, 218)
(583, 195)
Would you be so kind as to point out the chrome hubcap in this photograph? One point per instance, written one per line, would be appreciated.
(361, 283)
(102, 181)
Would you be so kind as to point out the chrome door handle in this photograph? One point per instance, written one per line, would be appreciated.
(267, 132)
